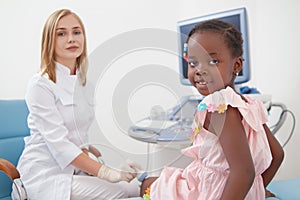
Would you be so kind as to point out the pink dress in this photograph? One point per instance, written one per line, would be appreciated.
(205, 177)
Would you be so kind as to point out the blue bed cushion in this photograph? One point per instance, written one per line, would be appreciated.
(285, 189)
(13, 118)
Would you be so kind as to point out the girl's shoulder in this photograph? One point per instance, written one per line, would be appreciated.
(251, 110)
(220, 100)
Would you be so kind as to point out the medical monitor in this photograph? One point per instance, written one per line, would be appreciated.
(238, 18)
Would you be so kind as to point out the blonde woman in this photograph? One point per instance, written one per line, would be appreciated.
(55, 162)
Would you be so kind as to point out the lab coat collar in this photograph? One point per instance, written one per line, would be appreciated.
(63, 78)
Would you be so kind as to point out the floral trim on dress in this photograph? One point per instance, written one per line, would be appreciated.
(196, 130)
(146, 196)
(220, 108)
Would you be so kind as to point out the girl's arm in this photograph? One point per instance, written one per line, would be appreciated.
(235, 146)
(277, 154)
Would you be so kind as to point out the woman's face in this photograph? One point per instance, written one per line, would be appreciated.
(211, 65)
(69, 40)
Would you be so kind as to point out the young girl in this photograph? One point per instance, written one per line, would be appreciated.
(55, 162)
(235, 154)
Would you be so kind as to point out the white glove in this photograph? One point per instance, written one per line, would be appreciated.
(133, 165)
(114, 176)
(135, 168)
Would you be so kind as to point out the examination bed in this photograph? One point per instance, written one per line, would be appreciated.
(284, 190)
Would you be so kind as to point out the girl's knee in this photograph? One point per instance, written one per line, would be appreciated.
(145, 184)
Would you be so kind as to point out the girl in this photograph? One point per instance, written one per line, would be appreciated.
(235, 154)
(55, 162)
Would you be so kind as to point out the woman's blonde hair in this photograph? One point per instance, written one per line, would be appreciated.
(48, 65)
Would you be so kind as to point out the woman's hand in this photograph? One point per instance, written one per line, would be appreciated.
(113, 175)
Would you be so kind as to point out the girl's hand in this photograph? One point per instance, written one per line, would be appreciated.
(269, 194)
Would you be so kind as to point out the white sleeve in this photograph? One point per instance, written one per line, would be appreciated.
(46, 119)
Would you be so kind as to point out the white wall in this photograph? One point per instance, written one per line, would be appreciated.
(274, 40)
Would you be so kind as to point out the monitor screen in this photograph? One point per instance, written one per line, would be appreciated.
(238, 18)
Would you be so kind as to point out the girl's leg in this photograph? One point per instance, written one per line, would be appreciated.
(145, 184)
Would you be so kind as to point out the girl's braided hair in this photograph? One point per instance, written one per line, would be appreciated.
(232, 36)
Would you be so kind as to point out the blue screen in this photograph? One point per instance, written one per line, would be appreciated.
(237, 17)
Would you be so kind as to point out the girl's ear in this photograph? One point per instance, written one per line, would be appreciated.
(238, 65)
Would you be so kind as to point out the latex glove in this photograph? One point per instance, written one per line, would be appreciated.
(113, 175)
(129, 168)
(139, 171)
(133, 165)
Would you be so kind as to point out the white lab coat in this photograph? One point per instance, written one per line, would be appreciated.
(59, 118)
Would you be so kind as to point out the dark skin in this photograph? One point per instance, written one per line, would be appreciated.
(233, 140)
(145, 184)
(207, 79)
(212, 67)
(236, 150)
(278, 156)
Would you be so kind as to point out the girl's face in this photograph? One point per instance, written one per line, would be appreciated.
(211, 65)
(69, 40)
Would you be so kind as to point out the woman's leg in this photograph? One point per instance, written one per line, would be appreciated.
(90, 187)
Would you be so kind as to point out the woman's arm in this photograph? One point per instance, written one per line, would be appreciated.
(235, 146)
(94, 151)
(277, 154)
(89, 165)
(46, 118)
(86, 164)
